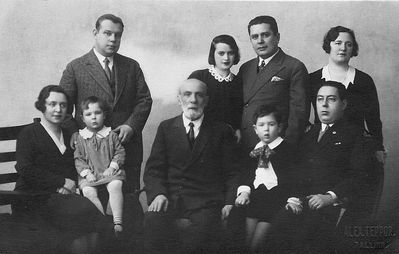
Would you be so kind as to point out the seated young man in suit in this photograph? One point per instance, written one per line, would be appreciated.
(190, 178)
(331, 167)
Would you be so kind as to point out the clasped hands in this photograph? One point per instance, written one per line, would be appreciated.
(315, 202)
(161, 203)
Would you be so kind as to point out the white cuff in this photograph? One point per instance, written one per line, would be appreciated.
(294, 200)
(243, 188)
(85, 172)
(333, 195)
(114, 165)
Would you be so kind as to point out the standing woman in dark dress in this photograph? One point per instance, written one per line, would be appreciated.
(363, 106)
(224, 88)
(45, 163)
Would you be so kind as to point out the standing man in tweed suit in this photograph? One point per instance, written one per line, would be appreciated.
(119, 81)
(274, 78)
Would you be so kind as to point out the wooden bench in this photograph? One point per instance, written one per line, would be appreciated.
(20, 231)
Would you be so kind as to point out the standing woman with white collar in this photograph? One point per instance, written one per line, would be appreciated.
(224, 88)
(363, 106)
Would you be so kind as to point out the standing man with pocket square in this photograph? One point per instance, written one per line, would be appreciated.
(274, 78)
(119, 81)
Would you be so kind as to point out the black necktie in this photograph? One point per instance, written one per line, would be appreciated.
(321, 133)
(262, 65)
(109, 73)
(191, 137)
(107, 69)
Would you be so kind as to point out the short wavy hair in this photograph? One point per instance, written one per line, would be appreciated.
(40, 104)
(333, 34)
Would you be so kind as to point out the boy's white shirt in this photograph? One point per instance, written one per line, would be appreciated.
(265, 176)
(86, 134)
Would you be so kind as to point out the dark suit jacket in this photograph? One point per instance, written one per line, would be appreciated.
(282, 162)
(363, 105)
(202, 177)
(289, 95)
(131, 104)
(337, 163)
(40, 164)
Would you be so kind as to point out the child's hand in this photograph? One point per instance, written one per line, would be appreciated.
(295, 208)
(242, 199)
(109, 172)
(91, 178)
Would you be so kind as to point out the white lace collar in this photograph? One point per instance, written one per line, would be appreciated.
(218, 77)
(86, 134)
(350, 75)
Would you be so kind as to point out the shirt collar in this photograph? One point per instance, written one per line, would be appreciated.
(350, 75)
(275, 143)
(101, 58)
(197, 123)
(324, 126)
(218, 77)
(86, 134)
(267, 60)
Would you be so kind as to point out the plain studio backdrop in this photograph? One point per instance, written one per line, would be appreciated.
(170, 39)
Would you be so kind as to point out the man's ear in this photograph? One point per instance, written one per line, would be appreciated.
(179, 99)
(254, 126)
(95, 32)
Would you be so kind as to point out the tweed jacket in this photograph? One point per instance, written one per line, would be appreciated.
(131, 104)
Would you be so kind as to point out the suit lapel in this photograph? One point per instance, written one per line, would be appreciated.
(264, 76)
(179, 132)
(201, 141)
(95, 69)
(120, 76)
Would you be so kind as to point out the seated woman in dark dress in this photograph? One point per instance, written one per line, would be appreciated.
(363, 106)
(45, 163)
(224, 88)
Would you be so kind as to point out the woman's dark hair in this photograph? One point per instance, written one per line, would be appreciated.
(227, 39)
(333, 34)
(94, 99)
(40, 104)
(265, 110)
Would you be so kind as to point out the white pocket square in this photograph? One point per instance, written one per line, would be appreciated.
(276, 78)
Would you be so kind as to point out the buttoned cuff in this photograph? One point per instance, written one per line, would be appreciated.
(85, 172)
(114, 165)
(243, 188)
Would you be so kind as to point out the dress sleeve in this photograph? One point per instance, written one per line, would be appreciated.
(80, 155)
(372, 114)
